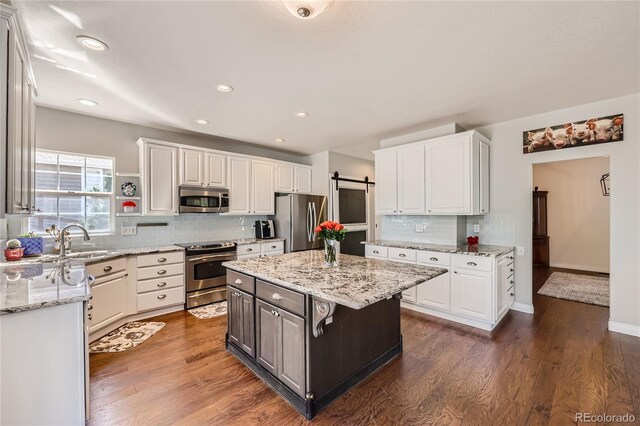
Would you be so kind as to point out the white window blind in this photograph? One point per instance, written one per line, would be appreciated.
(73, 188)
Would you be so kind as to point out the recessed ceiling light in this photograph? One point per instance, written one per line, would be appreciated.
(88, 102)
(92, 43)
(202, 122)
(225, 88)
(302, 114)
(279, 140)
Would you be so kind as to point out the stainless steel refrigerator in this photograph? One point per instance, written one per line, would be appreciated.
(297, 215)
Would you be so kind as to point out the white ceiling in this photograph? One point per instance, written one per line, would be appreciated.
(363, 70)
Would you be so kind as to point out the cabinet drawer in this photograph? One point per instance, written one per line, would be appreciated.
(160, 298)
(248, 249)
(160, 271)
(160, 259)
(404, 255)
(434, 258)
(281, 297)
(108, 267)
(274, 246)
(160, 283)
(376, 251)
(472, 262)
(241, 281)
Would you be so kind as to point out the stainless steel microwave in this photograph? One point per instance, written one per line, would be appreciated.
(203, 200)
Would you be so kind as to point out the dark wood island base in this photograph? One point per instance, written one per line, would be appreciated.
(308, 357)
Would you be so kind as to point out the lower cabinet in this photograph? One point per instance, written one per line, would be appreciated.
(280, 344)
(241, 320)
(108, 301)
(435, 293)
(471, 294)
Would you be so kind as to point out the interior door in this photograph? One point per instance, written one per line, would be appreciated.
(351, 206)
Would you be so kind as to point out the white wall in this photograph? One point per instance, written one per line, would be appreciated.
(577, 212)
(511, 183)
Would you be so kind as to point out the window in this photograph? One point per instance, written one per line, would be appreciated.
(73, 188)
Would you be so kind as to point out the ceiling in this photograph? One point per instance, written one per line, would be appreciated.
(363, 70)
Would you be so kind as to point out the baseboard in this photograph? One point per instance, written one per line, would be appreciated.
(449, 317)
(620, 327)
(578, 268)
(527, 308)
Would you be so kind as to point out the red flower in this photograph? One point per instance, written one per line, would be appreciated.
(339, 227)
(128, 204)
(318, 229)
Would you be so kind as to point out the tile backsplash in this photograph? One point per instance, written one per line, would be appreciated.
(436, 229)
(495, 229)
(185, 228)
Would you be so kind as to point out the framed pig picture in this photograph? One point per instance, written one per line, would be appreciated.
(570, 135)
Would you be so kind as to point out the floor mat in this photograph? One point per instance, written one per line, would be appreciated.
(577, 287)
(210, 311)
(125, 337)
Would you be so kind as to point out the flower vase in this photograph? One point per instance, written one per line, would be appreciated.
(330, 253)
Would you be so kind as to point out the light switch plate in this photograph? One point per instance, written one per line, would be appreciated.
(419, 228)
(476, 228)
(520, 251)
(129, 230)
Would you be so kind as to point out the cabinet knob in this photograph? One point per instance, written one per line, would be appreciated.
(276, 296)
(162, 284)
(512, 294)
(482, 210)
(162, 272)
(512, 270)
(455, 272)
(429, 211)
(162, 296)
(433, 259)
(162, 260)
(90, 307)
(512, 282)
(472, 264)
(89, 317)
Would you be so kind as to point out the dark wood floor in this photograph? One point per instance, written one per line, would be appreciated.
(534, 369)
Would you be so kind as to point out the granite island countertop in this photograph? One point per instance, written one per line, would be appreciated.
(478, 250)
(356, 282)
(31, 286)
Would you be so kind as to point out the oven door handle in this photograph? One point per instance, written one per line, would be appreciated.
(215, 256)
(202, 293)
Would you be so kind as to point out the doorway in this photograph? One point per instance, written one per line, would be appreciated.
(351, 205)
(571, 230)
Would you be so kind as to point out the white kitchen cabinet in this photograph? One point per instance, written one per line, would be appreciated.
(192, 167)
(215, 167)
(386, 167)
(505, 272)
(302, 181)
(442, 176)
(263, 200)
(239, 185)
(18, 119)
(471, 294)
(411, 182)
(159, 166)
(292, 178)
(109, 300)
(436, 293)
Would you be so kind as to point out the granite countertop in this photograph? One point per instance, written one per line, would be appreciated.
(97, 255)
(245, 241)
(356, 282)
(478, 250)
(39, 285)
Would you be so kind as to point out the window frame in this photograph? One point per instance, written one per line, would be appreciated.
(58, 193)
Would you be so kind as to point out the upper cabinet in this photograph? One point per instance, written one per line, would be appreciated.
(263, 195)
(292, 178)
(442, 176)
(159, 174)
(239, 185)
(17, 145)
(202, 168)
(251, 188)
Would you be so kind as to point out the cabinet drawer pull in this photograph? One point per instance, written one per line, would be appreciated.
(276, 296)
(402, 255)
(162, 260)
(162, 296)
(90, 307)
(376, 252)
(161, 284)
(238, 281)
(510, 257)
(434, 259)
(107, 268)
(511, 294)
(511, 270)
(162, 272)
(472, 264)
(249, 249)
(512, 282)
(274, 247)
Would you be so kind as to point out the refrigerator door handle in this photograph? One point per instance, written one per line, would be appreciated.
(315, 220)
(309, 221)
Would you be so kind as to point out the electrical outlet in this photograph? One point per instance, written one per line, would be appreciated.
(520, 251)
(129, 230)
(419, 228)
(476, 228)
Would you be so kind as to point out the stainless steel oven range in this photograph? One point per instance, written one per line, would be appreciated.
(206, 278)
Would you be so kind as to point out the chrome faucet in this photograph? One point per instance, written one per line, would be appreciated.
(63, 236)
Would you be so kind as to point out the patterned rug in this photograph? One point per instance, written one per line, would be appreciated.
(126, 337)
(209, 311)
(579, 288)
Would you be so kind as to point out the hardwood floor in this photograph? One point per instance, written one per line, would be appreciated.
(534, 369)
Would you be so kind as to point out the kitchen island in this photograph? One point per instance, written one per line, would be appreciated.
(312, 332)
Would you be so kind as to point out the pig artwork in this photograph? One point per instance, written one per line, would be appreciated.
(569, 135)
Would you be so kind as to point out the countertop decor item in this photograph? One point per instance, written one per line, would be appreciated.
(473, 240)
(14, 250)
(33, 244)
(128, 206)
(331, 232)
(128, 189)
